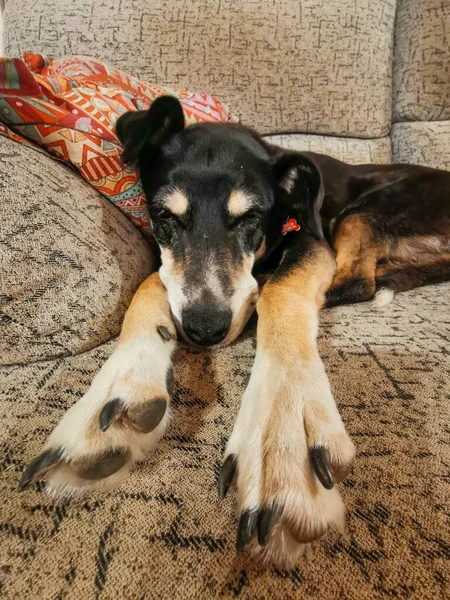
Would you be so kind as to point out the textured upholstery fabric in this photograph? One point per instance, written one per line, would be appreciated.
(315, 66)
(422, 61)
(163, 533)
(351, 150)
(422, 143)
(70, 262)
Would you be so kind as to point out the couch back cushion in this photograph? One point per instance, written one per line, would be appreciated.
(422, 143)
(422, 61)
(70, 262)
(314, 66)
(350, 150)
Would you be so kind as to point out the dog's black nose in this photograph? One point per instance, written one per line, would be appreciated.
(206, 325)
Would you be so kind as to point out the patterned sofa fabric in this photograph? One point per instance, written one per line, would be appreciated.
(352, 150)
(422, 61)
(69, 260)
(315, 66)
(163, 534)
(286, 65)
(422, 143)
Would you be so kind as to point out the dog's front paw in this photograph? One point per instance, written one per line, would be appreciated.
(116, 423)
(287, 451)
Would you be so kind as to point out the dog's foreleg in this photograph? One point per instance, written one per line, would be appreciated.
(289, 446)
(124, 412)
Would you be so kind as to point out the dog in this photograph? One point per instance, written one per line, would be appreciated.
(226, 209)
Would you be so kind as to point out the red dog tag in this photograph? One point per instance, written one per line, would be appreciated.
(290, 225)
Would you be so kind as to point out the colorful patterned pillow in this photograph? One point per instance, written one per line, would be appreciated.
(70, 106)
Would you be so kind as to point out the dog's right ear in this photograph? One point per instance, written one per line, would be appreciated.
(301, 183)
(149, 128)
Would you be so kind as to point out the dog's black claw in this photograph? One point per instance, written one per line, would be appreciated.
(319, 460)
(246, 527)
(109, 413)
(226, 475)
(268, 517)
(39, 464)
(164, 333)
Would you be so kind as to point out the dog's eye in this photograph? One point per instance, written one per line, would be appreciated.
(166, 226)
(167, 218)
(165, 214)
(252, 218)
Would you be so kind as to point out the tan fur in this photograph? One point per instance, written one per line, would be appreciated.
(148, 310)
(239, 203)
(415, 251)
(288, 311)
(378, 267)
(357, 253)
(290, 305)
(288, 408)
(419, 249)
(176, 202)
(242, 301)
(360, 256)
(242, 279)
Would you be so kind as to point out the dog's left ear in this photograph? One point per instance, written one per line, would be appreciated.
(139, 129)
(300, 184)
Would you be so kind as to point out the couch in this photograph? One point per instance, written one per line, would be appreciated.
(361, 80)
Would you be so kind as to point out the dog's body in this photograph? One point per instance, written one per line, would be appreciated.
(389, 227)
(226, 206)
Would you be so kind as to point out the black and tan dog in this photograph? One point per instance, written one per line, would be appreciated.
(226, 206)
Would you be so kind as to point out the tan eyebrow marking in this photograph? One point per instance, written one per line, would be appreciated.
(176, 202)
(239, 202)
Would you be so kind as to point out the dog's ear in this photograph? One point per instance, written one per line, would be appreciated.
(300, 184)
(149, 128)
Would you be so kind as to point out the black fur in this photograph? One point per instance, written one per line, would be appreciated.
(209, 161)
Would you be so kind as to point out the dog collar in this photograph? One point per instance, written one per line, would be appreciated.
(290, 225)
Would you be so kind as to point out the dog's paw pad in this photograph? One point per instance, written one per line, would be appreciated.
(101, 466)
(146, 416)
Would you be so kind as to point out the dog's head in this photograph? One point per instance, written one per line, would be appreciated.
(212, 193)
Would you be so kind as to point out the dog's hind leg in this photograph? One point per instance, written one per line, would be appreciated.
(392, 278)
(358, 250)
(124, 412)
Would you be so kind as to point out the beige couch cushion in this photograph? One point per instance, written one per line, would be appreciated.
(284, 65)
(69, 260)
(422, 143)
(351, 150)
(164, 534)
(422, 61)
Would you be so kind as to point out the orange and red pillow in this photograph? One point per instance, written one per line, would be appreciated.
(69, 107)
